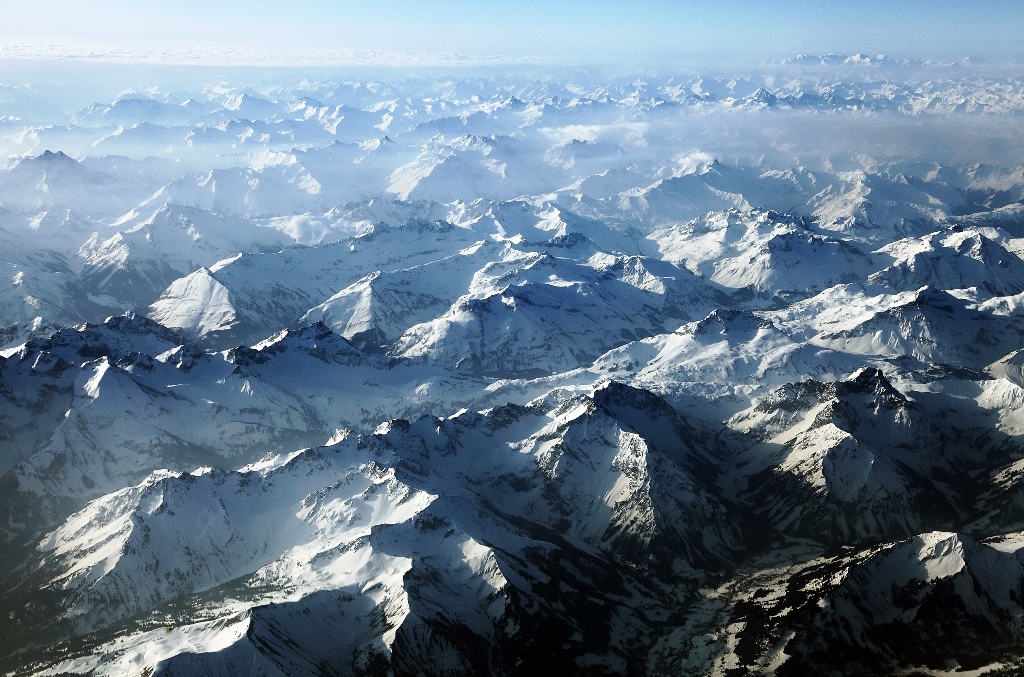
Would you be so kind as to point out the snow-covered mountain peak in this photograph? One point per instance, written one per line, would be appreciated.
(725, 322)
(316, 340)
(115, 337)
(871, 382)
(48, 160)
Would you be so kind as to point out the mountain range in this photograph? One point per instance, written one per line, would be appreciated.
(517, 375)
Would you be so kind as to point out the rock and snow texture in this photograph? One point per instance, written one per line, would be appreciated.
(466, 376)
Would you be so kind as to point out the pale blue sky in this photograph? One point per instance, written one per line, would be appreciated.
(599, 30)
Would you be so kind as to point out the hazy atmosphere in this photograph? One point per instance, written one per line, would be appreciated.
(651, 33)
